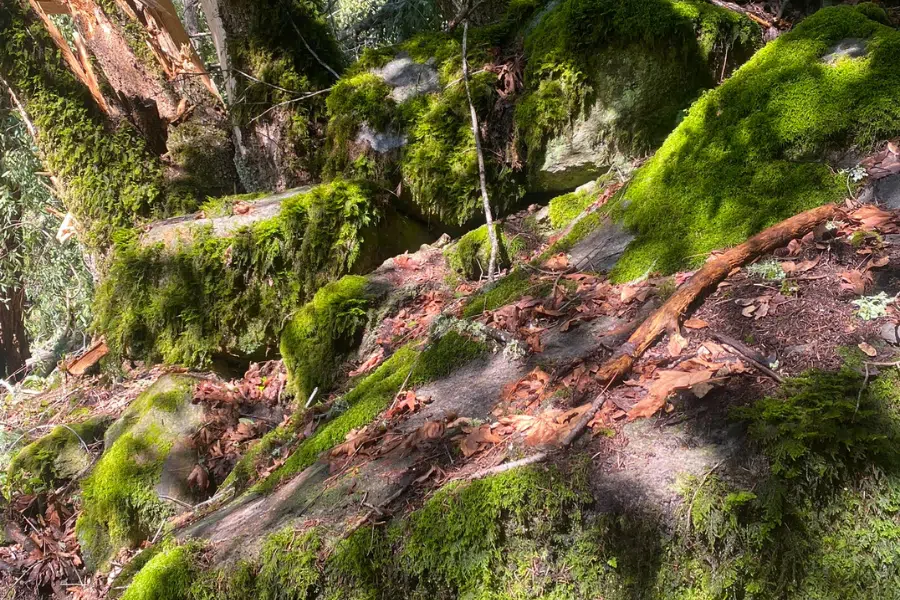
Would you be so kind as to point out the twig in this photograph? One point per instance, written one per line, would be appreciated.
(271, 85)
(312, 397)
(862, 389)
(177, 501)
(482, 177)
(292, 100)
(311, 51)
(749, 354)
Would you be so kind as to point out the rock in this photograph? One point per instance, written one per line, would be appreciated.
(409, 78)
(887, 191)
(602, 248)
(380, 142)
(147, 455)
(846, 48)
(890, 332)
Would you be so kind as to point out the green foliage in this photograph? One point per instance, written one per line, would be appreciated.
(374, 393)
(470, 255)
(205, 156)
(54, 458)
(438, 164)
(57, 284)
(111, 178)
(589, 51)
(743, 158)
(563, 209)
(186, 304)
(318, 338)
(872, 307)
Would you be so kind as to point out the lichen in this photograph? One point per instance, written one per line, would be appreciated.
(319, 337)
(470, 255)
(54, 458)
(186, 304)
(748, 153)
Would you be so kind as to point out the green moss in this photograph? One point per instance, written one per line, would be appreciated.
(319, 337)
(204, 155)
(111, 178)
(586, 52)
(121, 507)
(437, 165)
(470, 255)
(744, 157)
(374, 393)
(54, 458)
(509, 289)
(563, 209)
(288, 565)
(186, 304)
(168, 575)
(271, 444)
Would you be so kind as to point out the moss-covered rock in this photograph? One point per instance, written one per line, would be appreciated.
(55, 458)
(749, 153)
(401, 115)
(122, 505)
(607, 79)
(208, 294)
(321, 335)
(470, 255)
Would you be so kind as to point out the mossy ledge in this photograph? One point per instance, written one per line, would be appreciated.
(470, 255)
(213, 294)
(819, 521)
(121, 508)
(54, 458)
(749, 152)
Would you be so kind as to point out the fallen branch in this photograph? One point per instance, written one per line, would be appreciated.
(703, 283)
(749, 354)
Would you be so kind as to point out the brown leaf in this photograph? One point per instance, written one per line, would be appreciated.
(370, 363)
(558, 262)
(666, 383)
(893, 148)
(696, 324)
(856, 281)
(677, 343)
(749, 310)
(198, 479)
(867, 349)
(873, 217)
(472, 443)
(879, 262)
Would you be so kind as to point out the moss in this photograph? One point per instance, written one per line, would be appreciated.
(585, 52)
(271, 444)
(470, 255)
(186, 304)
(288, 565)
(168, 575)
(204, 156)
(563, 209)
(54, 458)
(319, 337)
(111, 178)
(437, 165)
(374, 393)
(121, 508)
(509, 289)
(745, 155)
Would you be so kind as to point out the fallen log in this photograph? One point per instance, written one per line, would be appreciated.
(79, 366)
(704, 282)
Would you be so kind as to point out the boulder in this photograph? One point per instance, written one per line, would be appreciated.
(141, 479)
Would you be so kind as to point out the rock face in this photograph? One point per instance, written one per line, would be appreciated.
(409, 78)
(146, 457)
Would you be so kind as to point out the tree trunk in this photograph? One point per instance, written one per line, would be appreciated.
(13, 340)
(267, 49)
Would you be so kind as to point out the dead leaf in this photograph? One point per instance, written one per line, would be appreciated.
(856, 281)
(867, 349)
(370, 363)
(472, 443)
(696, 324)
(873, 217)
(879, 262)
(558, 262)
(667, 382)
(893, 148)
(677, 343)
(198, 479)
(749, 310)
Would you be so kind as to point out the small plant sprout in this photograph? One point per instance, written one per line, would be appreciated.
(767, 269)
(872, 307)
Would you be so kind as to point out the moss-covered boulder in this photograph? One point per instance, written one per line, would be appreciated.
(470, 256)
(326, 330)
(401, 115)
(606, 80)
(752, 152)
(145, 457)
(228, 285)
(55, 458)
